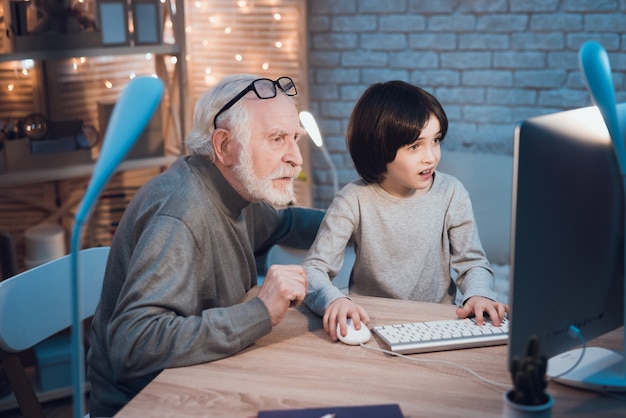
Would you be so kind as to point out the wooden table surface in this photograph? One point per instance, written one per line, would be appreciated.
(297, 366)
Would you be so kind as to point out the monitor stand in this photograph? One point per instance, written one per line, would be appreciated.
(600, 369)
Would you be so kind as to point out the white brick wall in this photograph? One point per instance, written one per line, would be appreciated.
(491, 63)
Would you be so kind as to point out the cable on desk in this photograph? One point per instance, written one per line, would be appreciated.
(443, 362)
(574, 332)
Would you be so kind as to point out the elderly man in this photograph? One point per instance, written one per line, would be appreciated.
(183, 258)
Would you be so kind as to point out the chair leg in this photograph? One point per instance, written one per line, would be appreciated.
(21, 385)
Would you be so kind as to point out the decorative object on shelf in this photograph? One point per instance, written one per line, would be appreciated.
(113, 22)
(61, 16)
(38, 143)
(529, 396)
(35, 126)
(147, 21)
(48, 25)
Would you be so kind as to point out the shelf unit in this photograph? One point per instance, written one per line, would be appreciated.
(32, 196)
(47, 186)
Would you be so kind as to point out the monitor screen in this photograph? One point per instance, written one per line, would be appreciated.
(567, 240)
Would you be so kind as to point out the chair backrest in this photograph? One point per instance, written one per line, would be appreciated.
(37, 303)
(281, 254)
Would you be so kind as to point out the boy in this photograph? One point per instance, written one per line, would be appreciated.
(409, 223)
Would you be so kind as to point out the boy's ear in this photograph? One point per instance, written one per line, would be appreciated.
(222, 145)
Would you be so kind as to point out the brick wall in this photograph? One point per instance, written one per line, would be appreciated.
(491, 63)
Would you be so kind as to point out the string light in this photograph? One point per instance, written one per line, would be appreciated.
(108, 84)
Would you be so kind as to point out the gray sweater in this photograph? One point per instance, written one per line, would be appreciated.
(406, 248)
(180, 262)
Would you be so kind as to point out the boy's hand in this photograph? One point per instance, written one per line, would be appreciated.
(338, 312)
(479, 306)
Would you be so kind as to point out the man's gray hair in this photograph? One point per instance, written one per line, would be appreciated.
(236, 119)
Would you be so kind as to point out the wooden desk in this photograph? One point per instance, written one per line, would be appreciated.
(297, 366)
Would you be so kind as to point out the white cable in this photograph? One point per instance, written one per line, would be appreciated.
(574, 332)
(444, 362)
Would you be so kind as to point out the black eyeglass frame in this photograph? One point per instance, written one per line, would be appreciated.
(252, 87)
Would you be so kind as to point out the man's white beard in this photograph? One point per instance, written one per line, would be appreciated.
(256, 189)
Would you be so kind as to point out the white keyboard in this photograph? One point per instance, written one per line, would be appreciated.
(422, 337)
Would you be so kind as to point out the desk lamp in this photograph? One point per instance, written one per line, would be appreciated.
(131, 114)
(308, 121)
(596, 69)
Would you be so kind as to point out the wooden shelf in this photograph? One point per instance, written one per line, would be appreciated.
(163, 49)
(82, 170)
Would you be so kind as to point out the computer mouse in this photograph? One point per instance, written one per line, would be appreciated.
(354, 336)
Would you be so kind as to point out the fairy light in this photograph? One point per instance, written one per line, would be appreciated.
(198, 5)
(277, 16)
(278, 44)
(242, 4)
(11, 87)
(108, 84)
(238, 57)
(27, 64)
(265, 66)
(227, 30)
(174, 60)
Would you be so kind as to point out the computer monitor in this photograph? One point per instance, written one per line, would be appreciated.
(567, 245)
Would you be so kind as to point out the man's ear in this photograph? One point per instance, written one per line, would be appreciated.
(222, 145)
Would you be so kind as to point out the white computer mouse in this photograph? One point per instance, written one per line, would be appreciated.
(354, 336)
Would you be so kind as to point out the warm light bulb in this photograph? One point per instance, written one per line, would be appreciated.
(278, 44)
(238, 57)
(265, 65)
(108, 84)
(228, 29)
(11, 87)
(277, 16)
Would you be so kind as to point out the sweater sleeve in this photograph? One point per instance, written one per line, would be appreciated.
(326, 256)
(467, 256)
(162, 319)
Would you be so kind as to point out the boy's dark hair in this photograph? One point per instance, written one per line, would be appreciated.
(387, 117)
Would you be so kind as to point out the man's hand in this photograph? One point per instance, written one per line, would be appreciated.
(284, 286)
(338, 312)
(479, 306)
